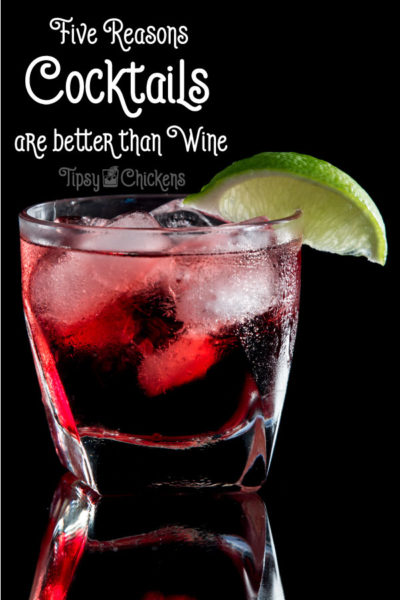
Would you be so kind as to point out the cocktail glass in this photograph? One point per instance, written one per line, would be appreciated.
(162, 352)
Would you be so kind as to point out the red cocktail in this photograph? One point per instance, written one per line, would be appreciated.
(162, 338)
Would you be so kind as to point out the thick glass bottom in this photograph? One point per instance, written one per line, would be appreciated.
(111, 463)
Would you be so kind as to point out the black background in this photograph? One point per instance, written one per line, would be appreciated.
(281, 81)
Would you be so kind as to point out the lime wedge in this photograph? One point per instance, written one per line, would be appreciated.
(339, 215)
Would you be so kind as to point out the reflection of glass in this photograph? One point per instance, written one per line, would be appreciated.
(163, 352)
(156, 546)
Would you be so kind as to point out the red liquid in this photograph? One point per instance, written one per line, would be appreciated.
(171, 351)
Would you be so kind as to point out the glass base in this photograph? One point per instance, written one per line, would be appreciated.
(112, 466)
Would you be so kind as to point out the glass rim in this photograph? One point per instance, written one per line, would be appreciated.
(25, 216)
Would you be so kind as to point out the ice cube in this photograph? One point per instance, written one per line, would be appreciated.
(183, 218)
(124, 233)
(224, 290)
(168, 207)
(72, 287)
(186, 359)
(175, 214)
(94, 222)
(226, 239)
(134, 220)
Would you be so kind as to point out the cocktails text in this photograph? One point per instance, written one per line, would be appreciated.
(131, 86)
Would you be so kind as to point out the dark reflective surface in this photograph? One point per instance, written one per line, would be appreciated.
(330, 486)
(154, 546)
(331, 540)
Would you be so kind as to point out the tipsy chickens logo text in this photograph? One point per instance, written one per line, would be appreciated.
(132, 88)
